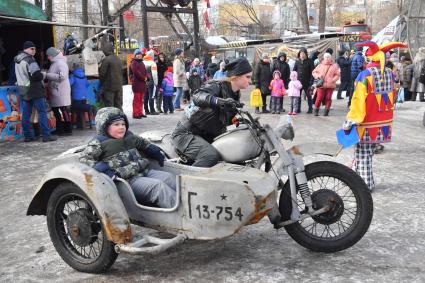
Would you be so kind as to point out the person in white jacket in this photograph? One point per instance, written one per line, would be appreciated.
(60, 91)
(151, 83)
(294, 92)
(179, 77)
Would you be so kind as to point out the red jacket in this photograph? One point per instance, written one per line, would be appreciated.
(138, 71)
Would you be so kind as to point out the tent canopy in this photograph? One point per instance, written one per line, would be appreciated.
(21, 9)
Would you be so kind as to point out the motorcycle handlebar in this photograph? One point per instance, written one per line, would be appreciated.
(247, 114)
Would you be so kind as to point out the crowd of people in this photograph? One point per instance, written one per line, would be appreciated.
(319, 75)
(161, 86)
(66, 92)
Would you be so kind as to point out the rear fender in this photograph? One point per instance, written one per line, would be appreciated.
(99, 189)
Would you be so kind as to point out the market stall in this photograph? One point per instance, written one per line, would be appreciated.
(21, 21)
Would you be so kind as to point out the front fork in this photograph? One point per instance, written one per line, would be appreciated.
(296, 172)
(301, 180)
(296, 176)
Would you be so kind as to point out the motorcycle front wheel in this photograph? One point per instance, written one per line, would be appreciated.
(350, 208)
(77, 232)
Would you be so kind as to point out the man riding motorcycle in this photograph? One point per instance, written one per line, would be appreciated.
(212, 109)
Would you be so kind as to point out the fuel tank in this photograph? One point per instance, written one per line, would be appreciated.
(237, 145)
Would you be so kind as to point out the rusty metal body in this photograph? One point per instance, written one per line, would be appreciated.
(212, 203)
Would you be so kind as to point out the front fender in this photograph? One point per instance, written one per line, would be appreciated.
(311, 148)
(98, 188)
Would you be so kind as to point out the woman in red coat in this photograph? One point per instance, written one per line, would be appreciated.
(329, 71)
(138, 78)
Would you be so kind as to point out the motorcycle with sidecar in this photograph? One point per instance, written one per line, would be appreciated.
(324, 206)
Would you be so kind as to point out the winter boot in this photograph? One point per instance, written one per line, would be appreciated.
(316, 112)
(36, 128)
(49, 139)
(59, 129)
(67, 128)
(326, 112)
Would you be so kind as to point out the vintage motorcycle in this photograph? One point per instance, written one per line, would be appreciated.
(324, 206)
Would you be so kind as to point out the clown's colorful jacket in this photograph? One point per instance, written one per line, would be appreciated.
(372, 105)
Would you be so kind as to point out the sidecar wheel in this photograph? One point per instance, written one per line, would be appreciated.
(350, 202)
(77, 232)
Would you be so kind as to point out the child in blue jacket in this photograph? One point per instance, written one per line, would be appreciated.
(168, 91)
(79, 84)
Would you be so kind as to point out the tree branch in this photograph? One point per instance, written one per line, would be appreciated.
(121, 10)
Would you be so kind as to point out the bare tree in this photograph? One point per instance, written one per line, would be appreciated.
(85, 18)
(49, 9)
(105, 12)
(122, 9)
(252, 21)
(168, 17)
(302, 12)
(304, 15)
(322, 16)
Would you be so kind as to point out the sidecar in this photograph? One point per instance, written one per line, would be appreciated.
(89, 216)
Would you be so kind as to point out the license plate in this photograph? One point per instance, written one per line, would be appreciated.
(213, 212)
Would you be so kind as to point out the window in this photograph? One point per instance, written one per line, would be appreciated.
(250, 54)
(230, 55)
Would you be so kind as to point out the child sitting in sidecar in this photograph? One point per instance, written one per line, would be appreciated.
(117, 152)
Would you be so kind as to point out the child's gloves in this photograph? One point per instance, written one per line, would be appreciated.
(154, 152)
(103, 167)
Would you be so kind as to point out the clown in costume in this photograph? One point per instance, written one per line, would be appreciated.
(372, 108)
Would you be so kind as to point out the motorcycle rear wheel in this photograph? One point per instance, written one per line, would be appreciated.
(77, 232)
(351, 212)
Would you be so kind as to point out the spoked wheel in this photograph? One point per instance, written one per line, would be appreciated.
(350, 208)
(76, 231)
